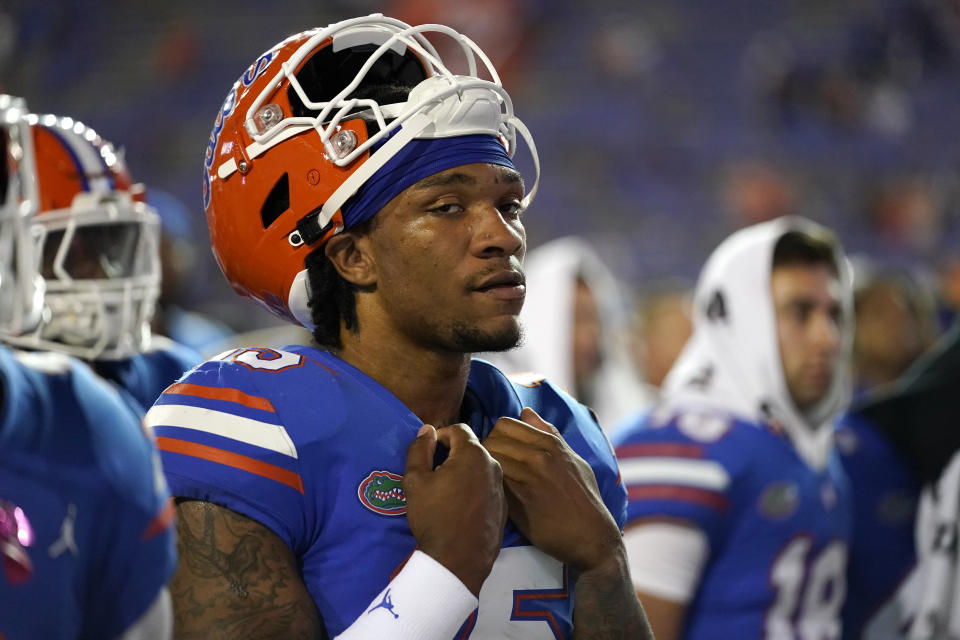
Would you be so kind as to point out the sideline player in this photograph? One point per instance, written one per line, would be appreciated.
(315, 495)
(96, 253)
(86, 534)
(575, 331)
(739, 514)
(895, 325)
(917, 417)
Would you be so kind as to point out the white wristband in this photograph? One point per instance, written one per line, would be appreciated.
(424, 601)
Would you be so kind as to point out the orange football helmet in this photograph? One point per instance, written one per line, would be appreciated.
(297, 136)
(81, 270)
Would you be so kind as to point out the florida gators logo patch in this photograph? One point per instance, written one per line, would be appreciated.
(382, 492)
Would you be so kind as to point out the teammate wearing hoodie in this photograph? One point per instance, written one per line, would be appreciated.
(739, 514)
(575, 328)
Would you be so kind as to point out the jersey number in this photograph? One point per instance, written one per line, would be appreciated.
(809, 591)
(267, 359)
(526, 595)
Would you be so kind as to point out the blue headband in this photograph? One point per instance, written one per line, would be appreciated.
(416, 161)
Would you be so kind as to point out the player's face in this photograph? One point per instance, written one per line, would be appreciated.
(806, 300)
(448, 252)
(96, 252)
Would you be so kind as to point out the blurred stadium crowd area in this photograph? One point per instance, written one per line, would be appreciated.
(661, 126)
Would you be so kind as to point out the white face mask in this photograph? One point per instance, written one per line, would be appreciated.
(99, 262)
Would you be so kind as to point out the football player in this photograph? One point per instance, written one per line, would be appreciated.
(739, 514)
(355, 185)
(86, 535)
(95, 252)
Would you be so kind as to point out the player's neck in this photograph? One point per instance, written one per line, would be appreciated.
(430, 384)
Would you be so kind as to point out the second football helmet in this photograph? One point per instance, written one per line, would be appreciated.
(82, 272)
(311, 121)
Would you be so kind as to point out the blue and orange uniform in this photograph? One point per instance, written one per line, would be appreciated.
(96, 519)
(777, 529)
(314, 449)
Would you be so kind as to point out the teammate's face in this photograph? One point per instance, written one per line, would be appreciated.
(448, 252)
(806, 300)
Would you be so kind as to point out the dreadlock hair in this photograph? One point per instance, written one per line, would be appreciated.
(802, 248)
(332, 299)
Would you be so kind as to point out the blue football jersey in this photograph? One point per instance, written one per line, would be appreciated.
(141, 378)
(882, 550)
(777, 530)
(315, 450)
(83, 472)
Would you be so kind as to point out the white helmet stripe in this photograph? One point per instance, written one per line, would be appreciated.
(91, 167)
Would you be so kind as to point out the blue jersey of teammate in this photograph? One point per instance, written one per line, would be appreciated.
(315, 450)
(882, 550)
(141, 378)
(777, 530)
(86, 477)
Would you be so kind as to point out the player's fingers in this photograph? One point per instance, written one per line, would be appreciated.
(456, 436)
(515, 464)
(510, 432)
(504, 444)
(421, 450)
(533, 419)
(513, 429)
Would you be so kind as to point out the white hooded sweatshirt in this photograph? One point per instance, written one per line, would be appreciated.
(616, 389)
(732, 361)
(731, 365)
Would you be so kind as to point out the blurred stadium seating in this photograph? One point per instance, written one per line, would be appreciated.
(661, 126)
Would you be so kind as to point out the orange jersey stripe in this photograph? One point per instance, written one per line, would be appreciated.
(219, 393)
(231, 459)
(160, 522)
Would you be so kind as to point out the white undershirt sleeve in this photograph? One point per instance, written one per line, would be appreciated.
(156, 623)
(666, 559)
(425, 600)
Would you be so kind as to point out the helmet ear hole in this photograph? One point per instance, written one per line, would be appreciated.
(278, 201)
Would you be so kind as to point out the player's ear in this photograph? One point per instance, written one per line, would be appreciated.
(350, 254)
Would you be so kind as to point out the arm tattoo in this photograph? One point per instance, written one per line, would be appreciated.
(606, 607)
(237, 580)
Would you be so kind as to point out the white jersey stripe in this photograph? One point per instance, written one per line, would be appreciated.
(705, 474)
(259, 434)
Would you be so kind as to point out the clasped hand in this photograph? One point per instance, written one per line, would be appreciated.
(552, 493)
(457, 510)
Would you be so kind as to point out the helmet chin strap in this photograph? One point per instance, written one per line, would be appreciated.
(298, 300)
